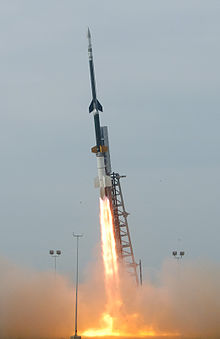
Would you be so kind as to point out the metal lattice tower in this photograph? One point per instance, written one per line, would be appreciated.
(122, 234)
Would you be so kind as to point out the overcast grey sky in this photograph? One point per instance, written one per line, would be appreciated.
(157, 70)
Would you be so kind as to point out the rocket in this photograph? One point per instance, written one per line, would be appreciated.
(103, 180)
(108, 181)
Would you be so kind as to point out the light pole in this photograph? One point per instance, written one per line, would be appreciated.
(77, 236)
(178, 255)
(140, 268)
(55, 255)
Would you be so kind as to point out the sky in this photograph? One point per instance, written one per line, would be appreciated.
(157, 71)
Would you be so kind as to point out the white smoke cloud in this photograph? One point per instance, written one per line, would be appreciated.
(186, 300)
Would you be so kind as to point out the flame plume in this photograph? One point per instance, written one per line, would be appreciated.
(109, 253)
(110, 262)
(114, 321)
(111, 272)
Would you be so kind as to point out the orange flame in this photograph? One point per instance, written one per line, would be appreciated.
(108, 241)
(110, 260)
(111, 274)
(112, 322)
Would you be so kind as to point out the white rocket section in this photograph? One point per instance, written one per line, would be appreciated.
(103, 180)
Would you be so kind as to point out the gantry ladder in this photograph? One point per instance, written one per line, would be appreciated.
(122, 234)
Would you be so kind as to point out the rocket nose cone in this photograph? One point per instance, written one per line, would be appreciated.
(88, 34)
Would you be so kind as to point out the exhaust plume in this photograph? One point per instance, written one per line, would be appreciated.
(185, 301)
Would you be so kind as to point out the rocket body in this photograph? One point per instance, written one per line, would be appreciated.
(103, 180)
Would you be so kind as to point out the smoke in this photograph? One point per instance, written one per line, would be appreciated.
(34, 305)
(185, 300)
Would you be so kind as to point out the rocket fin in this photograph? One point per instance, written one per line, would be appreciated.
(92, 106)
(99, 106)
(96, 182)
(108, 181)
